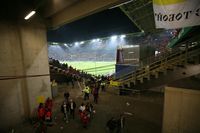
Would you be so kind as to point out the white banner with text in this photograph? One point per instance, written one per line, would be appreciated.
(172, 14)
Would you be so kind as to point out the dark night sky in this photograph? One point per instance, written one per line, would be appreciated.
(103, 24)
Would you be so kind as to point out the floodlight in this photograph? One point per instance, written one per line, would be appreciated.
(96, 40)
(114, 37)
(82, 42)
(76, 43)
(122, 36)
(29, 15)
(55, 43)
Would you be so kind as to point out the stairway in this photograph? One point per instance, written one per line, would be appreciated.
(164, 69)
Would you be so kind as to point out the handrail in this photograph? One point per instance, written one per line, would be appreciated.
(152, 59)
(124, 71)
(177, 56)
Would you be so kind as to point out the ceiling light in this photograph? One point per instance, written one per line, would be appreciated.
(29, 15)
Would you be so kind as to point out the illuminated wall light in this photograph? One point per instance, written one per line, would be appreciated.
(94, 40)
(29, 15)
(97, 39)
(76, 43)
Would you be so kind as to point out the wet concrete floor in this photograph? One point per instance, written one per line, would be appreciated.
(147, 110)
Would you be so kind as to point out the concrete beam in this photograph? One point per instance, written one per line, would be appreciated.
(52, 7)
(79, 10)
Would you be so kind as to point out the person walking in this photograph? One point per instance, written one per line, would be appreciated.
(72, 107)
(96, 94)
(66, 96)
(82, 108)
(103, 84)
(89, 108)
(41, 112)
(84, 119)
(65, 111)
(49, 104)
(86, 91)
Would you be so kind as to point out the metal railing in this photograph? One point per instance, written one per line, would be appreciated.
(162, 62)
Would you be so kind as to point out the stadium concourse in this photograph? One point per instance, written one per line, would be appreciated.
(157, 67)
(110, 104)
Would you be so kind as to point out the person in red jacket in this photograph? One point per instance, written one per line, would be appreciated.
(49, 103)
(48, 115)
(84, 119)
(41, 112)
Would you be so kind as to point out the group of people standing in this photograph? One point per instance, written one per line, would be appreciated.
(68, 107)
(44, 111)
(93, 88)
(86, 113)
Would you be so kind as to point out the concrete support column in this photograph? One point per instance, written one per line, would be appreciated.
(181, 110)
(24, 70)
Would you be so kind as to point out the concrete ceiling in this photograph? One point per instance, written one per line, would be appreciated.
(60, 12)
(52, 7)
(55, 12)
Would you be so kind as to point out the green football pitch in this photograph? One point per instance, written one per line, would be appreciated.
(96, 68)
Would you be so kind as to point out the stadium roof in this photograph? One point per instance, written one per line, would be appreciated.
(134, 16)
(126, 16)
(102, 24)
